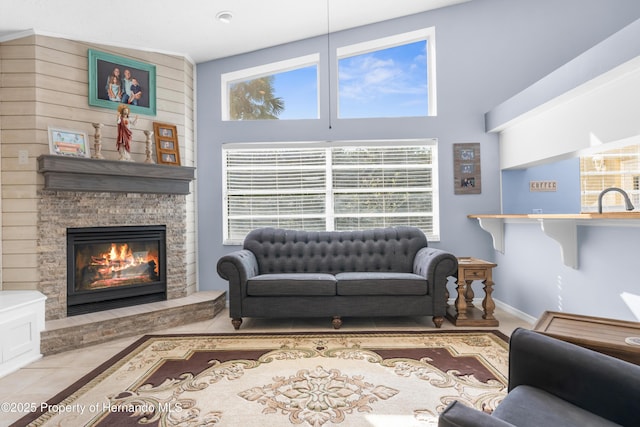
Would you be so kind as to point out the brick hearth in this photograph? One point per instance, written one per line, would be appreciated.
(94, 328)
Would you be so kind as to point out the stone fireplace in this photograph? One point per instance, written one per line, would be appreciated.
(83, 195)
(61, 211)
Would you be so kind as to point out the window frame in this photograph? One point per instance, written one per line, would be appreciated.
(227, 79)
(329, 192)
(427, 34)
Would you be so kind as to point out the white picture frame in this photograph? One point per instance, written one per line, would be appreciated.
(70, 143)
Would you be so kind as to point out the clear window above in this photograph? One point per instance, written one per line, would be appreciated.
(389, 77)
(283, 90)
(393, 76)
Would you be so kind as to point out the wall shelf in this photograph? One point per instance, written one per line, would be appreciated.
(560, 227)
(81, 174)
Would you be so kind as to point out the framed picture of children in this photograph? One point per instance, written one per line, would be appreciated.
(116, 80)
(167, 149)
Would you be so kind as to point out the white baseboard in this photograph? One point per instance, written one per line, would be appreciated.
(514, 311)
(505, 307)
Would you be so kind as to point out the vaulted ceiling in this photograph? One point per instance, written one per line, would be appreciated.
(190, 27)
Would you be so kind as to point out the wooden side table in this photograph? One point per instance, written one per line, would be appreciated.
(463, 312)
(617, 338)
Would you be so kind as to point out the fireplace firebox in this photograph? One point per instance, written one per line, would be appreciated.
(112, 267)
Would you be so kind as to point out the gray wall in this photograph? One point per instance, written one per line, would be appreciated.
(487, 50)
(532, 278)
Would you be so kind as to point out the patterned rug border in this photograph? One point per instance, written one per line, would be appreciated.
(146, 339)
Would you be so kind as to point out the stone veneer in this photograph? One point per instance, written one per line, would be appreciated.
(59, 210)
(94, 328)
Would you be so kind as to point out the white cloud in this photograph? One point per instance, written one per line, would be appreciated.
(368, 78)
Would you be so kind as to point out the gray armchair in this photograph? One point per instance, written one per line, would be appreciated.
(557, 384)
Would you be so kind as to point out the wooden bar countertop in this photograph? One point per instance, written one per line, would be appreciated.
(584, 215)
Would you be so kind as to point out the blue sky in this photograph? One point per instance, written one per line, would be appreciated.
(299, 89)
(385, 83)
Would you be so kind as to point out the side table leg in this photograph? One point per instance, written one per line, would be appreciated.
(469, 294)
(446, 298)
(461, 303)
(487, 303)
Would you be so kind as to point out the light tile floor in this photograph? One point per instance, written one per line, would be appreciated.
(41, 380)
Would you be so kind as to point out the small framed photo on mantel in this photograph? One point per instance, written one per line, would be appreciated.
(71, 143)
(467, 178)
(167, 149)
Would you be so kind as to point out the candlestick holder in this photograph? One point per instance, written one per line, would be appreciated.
(147, 150)
(97, 141)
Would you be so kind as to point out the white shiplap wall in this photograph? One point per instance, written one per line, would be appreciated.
(44, 82)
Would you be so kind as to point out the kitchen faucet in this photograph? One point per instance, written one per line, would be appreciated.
(629, 206)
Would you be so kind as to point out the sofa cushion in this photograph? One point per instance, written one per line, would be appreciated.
(293, 284)
(379, 283)
(527, 406)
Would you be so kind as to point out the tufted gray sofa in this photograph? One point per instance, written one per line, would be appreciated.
(378, 272)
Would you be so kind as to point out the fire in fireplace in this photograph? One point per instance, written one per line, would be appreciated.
(110, 267)
(122, 265)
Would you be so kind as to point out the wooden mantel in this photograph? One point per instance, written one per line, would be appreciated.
(560, 227)
(80, 174)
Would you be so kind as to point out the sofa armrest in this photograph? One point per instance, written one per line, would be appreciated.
(460, 415)
(436, 266)
(598, 383)
(237, 267)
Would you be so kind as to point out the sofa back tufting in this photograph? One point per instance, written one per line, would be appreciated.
(293, 251)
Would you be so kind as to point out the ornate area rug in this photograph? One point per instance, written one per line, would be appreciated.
(329, 379)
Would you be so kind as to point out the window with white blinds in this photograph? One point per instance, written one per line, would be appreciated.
(330, 186)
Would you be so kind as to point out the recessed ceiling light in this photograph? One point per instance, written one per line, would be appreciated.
(225, 16)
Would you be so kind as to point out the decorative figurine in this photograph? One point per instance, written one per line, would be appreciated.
(97, 142)
(123, 141)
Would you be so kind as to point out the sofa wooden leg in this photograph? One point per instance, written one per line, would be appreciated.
(236, 322)
(437, 320)
(336, 322)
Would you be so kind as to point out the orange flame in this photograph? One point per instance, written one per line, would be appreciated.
(121, 257)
